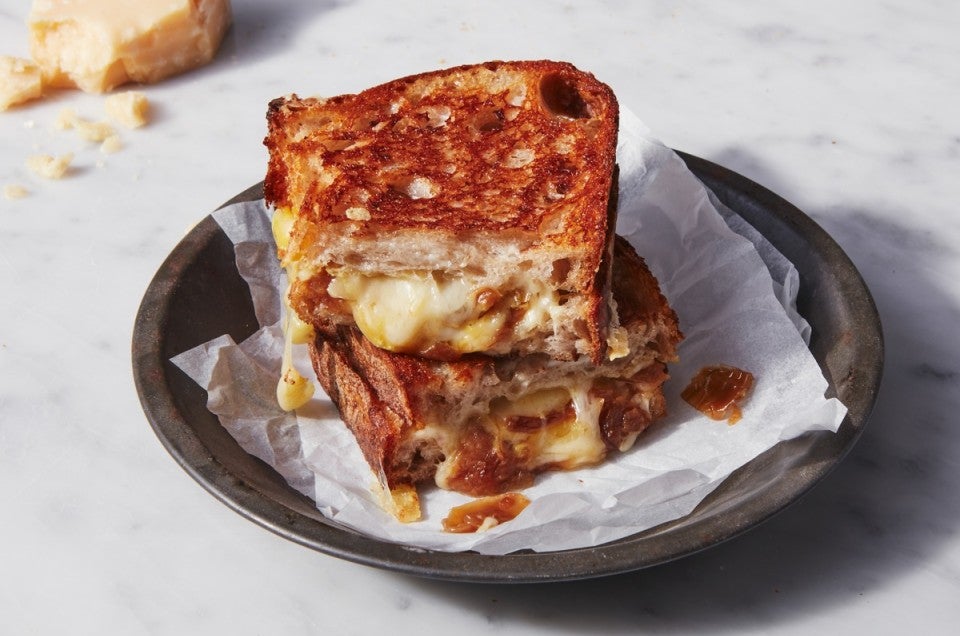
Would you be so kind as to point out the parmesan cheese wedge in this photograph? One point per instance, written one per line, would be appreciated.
(97, 45)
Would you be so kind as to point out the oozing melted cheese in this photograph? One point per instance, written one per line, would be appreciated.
(417, 310)
(565, 443)
(293, 390)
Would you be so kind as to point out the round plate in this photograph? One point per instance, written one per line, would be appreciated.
(198, 295)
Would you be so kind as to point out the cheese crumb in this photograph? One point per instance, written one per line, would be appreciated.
(358, 214)
(111, 145)
(565, 144)
(517, 94)
(20, 81)
(130, 109)
(437, 116)
(66, 119)
(519, 158)
(94, 131)
(422, 188)
(13, 191)
(50, 167)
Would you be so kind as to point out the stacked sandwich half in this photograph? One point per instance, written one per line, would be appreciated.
(449, 243)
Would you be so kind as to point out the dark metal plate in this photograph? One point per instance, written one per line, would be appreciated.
(198, 295)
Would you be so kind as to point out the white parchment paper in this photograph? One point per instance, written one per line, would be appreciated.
(732, 291)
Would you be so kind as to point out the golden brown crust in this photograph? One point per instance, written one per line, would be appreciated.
(364, 140)
(502, 153)
(639, 299)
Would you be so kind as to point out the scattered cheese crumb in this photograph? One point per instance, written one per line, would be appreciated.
(422, 188)
(517, 94)
(66, 119)
(358, 214)
(565, 144)
(519, 158)
(94, 131)
(111, 145)
(50, 167)
(20, 81)
(437, 116)
(13, 191)
(130, 109)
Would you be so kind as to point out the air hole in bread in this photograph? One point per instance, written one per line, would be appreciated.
(561, 268)
(352, 258)
(580, 328)
(489, 120)
(423, 463)
(365, 123)
(552, 224)
(560, 97)
(475, 270)
(525, 266)
(336, 145)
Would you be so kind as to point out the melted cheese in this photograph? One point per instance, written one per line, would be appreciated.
(567, 443)
(415, 311)
(281, 225)
(96, 45)
(293, 390)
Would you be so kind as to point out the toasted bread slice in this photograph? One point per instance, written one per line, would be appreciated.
(484, 425)
(463, 210)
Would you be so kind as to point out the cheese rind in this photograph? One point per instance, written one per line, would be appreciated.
(97, 45)
(20, 81)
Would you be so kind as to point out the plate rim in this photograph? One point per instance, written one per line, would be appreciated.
(150, 369)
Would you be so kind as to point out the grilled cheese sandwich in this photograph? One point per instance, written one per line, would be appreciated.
(455, 212)
(484, 425)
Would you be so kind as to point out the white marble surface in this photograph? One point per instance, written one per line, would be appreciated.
(849, 110)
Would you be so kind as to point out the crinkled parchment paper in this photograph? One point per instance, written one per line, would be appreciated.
(731, 310)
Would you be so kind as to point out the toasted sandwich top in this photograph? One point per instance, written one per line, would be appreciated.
(526, 146)
(496, 178)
